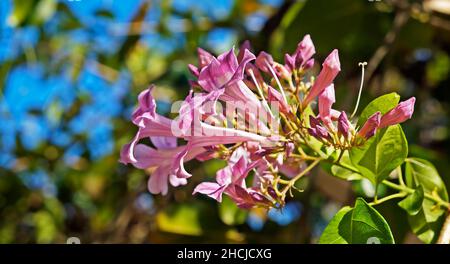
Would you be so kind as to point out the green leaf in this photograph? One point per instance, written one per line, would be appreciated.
(427, 222)
(359, 225)
(382, 104)
(345, 169)
(413, 202)
(381, 154)
(344, 173)
(230, 214)
(428, 232)
(331, 233)
(422, 172)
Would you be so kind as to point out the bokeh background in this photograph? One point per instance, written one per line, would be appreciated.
(70, 71)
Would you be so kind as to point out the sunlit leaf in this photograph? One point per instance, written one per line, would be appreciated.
(345, 169)
(427, 222)
(381, 154)
(413, 202)
(359, 225)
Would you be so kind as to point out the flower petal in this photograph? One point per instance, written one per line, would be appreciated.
(370, 127)
(204, 58)
(146, 104)
(244, 46)
(211, 189)
(164, 142)
(158, 181)
(402, 112)
(343, 125)
(219, 72)
(305, 50)
(262, 60)
(330, 68)
(326, 100)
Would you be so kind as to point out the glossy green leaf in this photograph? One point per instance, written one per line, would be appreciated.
(427, 222)
(381, 154)
(331, 233)
(345, 174)
(359, 225)
(381, 104)
(422, 172)
(413, 202)
(428, 232)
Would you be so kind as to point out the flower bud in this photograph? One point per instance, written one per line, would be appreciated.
(309, 64)
(289, 62)
(370, 127)
(305, 50)
(313, 122)
(343, 125)
(326, 100)
(262, 60)
(402, 112)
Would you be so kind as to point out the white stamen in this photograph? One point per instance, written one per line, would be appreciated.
(277, 80)
(362, 64)
(264, 102)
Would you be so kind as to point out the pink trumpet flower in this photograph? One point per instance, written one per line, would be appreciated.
(263, 61)
(302, 55)
(231, 181)
(326, 100)
(305, 50)
(224, 70)
(331, 67)
(402, 112)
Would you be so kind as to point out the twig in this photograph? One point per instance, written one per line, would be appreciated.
(301, 174)
(438, 200)
(387, 198)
